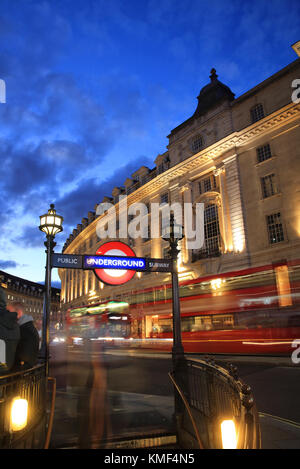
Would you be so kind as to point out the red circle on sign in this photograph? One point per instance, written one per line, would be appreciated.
(114, 276)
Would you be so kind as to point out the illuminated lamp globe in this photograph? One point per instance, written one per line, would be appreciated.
(172, 231)
(51, 223)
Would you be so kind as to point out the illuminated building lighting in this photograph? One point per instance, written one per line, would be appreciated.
(238, 238)
(185, 276)
(229, 438)
(239, 243)
(180, 267)
(18, 414)
(283, 285)
(217, 283)
(110, 305)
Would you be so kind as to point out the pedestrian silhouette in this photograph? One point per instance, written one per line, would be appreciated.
(9, 335)
(28, 345)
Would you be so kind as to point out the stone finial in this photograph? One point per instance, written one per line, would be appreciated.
(213, 74)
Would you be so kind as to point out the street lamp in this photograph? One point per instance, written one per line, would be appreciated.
(174, 233)
(50, 224)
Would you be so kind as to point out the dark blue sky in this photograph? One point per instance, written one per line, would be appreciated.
(94, 88)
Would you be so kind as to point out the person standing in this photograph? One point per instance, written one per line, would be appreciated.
(28, 346)
(9, 335)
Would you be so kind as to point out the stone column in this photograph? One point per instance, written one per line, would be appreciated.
(156, 243)
(187, 196)
(224, 210)
(232, 178)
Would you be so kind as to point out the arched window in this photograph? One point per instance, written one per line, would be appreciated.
(257, 113)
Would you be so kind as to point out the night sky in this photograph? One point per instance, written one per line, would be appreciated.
(94, 87)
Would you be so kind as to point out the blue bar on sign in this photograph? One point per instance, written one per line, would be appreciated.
(114, 262)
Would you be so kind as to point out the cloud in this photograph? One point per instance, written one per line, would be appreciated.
(8, 264)
(30, 237)
(76, 204)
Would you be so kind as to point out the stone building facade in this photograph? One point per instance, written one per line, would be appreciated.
(31, 294)
(241, 158)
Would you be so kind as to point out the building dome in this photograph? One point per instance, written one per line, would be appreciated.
(212, 94)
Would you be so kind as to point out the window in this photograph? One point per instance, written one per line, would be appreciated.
(275, 229)
(263, 153)
(257, 113)
(197, 144)
(211, 228)
(164, 198)
(207, 184)
(268, 185)
(212, 239)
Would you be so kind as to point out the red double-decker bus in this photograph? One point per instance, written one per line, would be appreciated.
(252, 311)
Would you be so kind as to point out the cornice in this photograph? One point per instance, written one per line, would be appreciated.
(237, 139)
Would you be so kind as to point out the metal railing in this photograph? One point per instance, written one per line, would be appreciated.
(30, 385)
(208, 394)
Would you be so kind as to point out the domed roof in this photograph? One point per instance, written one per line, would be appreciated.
(212, 94)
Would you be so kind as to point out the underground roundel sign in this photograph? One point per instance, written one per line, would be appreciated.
(115, 276)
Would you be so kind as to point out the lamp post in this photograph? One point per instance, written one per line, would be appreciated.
(174, 233)
(50, 224)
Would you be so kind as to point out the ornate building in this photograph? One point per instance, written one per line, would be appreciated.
(241, 158)
(31, 294)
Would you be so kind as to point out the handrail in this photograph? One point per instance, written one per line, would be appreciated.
(188, 409)
(30, 385)
(50, 425)
(14, 374)
(215, 394)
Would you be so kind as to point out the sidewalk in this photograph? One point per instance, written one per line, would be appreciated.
(133, 415)
(277, 433)
(130, 415)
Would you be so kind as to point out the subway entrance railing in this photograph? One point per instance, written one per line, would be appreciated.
(214, 408)
(24, 422)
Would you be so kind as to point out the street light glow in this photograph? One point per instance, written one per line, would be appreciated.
(51, 223)
(18, 414)
(229, 438)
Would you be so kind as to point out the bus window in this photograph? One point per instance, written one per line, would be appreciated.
(223, 321)
(164, 325)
